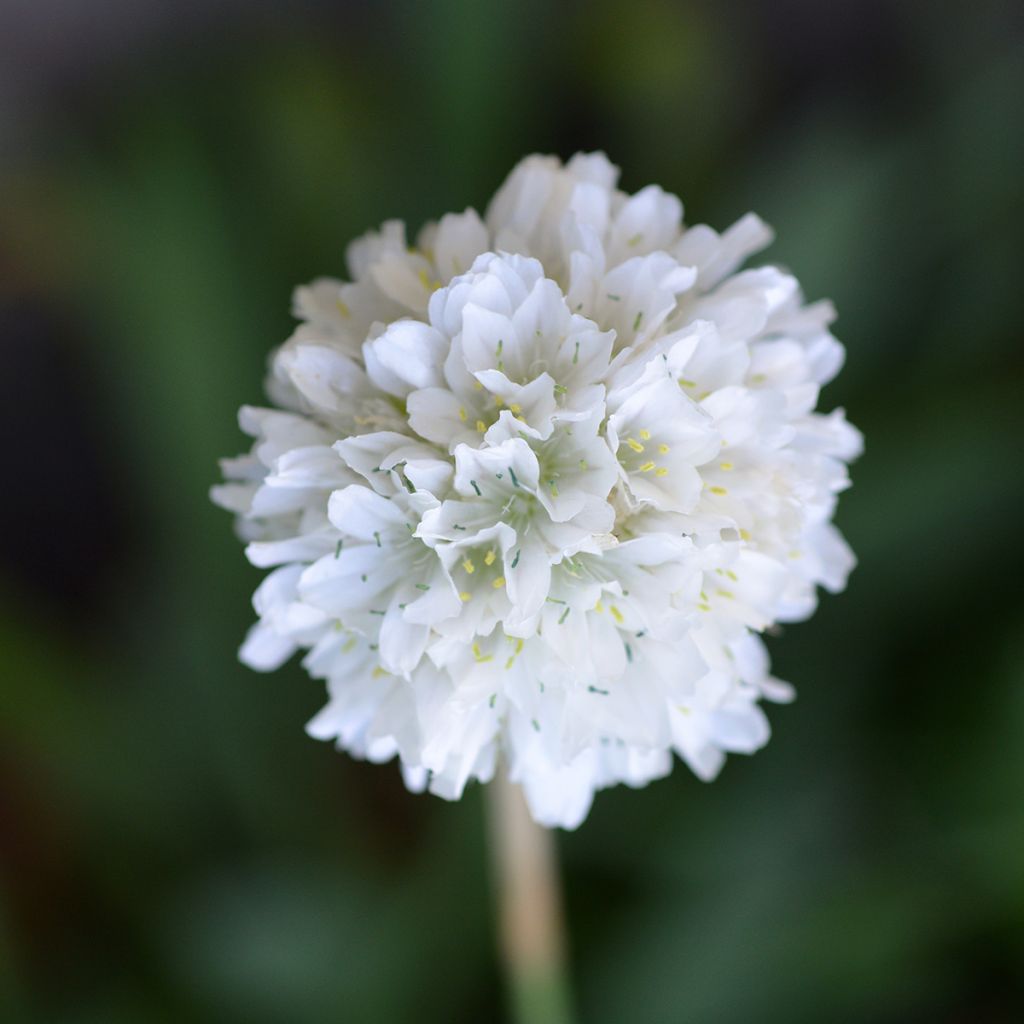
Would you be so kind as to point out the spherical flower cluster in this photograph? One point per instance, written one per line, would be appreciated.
(533, 487)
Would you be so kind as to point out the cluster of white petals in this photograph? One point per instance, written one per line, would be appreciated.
(534, 486)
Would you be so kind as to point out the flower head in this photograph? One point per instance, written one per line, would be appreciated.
(534, 486)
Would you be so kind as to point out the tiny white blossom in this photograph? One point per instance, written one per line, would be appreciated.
(535, 486)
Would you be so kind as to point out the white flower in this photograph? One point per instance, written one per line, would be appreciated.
(535, 486)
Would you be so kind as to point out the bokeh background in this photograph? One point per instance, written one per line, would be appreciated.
(173, 848)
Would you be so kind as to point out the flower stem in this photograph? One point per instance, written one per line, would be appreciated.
(530, 923)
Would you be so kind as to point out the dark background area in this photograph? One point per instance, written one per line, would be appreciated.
(172, 846)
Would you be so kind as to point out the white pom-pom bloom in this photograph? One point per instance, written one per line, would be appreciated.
(535, 486)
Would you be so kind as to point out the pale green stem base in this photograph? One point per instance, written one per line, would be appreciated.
(530, 923)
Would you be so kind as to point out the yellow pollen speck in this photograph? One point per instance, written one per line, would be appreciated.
(465, 596)
(462, 415)
(725, 465)
(647, 467)
(481, 427)
(468, 565)
(343, 308)
(616, 614)
(498, 583)
(516, 408)
(634, 444)
(718, 490)
(645, 435)
(489, 558)
(663, 449)
(661, 471)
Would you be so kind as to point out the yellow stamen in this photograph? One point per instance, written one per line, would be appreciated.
(661, 471)
(647, 467)
(499, 401)
(498, 583)
(725, 465)
(343, 308)
(718, 490)
(744, 535)
(462, 415)
(634, 444)
(465, 596)
(516, 408)
(489, 557)
(467, 564)
(645, 435)
(481, 427)
(599, 607)
(663, 449)
(378, 672)
(616, 614)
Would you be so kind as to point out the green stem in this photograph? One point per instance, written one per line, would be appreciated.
(530, 923)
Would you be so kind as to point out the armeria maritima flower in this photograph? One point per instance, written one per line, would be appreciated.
(533, 487)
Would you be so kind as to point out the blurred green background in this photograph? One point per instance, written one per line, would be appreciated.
(173, 847)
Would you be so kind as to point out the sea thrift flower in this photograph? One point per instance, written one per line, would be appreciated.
(533, 487)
